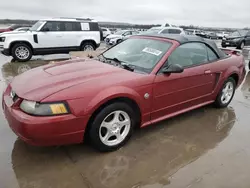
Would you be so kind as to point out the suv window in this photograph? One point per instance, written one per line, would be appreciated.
(165, 31)
(248, 34)
(211, 55)
(93, 26)
(174, 31)
(72, 26)
(189, 54)
(53, 26)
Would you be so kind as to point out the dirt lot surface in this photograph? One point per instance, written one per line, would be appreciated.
(205, 148)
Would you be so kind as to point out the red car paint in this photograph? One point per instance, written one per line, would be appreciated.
(5, 30)
(87, 84)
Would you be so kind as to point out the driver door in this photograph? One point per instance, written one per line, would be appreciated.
(51, 35)
(177, 92)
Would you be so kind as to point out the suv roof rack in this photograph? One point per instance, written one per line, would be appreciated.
(83, 19)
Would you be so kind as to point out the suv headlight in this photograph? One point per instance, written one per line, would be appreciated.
(2, 39)
(44, 109)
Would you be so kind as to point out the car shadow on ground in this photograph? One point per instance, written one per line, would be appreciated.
(152, 155)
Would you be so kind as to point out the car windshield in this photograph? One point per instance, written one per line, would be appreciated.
(235, 34)
(243, 32)
(143, 54)
(119, 32)
(37, 25)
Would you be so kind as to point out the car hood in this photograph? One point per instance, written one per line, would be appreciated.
(232, 37)
(41, 82)
(13, 33)
(114, 36)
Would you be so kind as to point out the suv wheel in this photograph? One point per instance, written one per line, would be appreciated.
(112, 127)
(241, 46)
(226, 94)
(87, 46)
(21, 52)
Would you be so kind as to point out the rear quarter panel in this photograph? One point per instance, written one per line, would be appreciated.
(225, 68)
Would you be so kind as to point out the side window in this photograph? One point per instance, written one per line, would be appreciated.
(135, 32)
(248, 34)
(174, 31)
(211, 55)
(165, 31)
(93, 26)
(52, 26)
(104, 29)
(189, 54)
(127, 33)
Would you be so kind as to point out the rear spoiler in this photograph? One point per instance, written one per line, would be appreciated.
(229, 51)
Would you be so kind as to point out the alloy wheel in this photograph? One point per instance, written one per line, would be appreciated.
(227, 93)
(22, 52)
(114, 128)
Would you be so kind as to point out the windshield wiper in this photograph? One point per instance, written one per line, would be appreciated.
(123, 64)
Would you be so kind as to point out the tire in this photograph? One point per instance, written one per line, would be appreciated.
(241, 46)
(21, 52)
(219, 103)
(118, 41)
(105, 127)
(88, 46)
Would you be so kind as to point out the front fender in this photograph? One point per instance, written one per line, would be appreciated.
(112, 93)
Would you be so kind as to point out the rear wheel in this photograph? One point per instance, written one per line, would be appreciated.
(87, 46)
(21, 52)
(226, 94)
(112, 127)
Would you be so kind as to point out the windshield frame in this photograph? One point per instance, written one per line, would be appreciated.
(38, 25)
(158, 64)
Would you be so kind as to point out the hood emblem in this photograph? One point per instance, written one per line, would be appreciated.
(146, 96)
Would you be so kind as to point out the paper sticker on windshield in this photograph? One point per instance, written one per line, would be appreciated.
(152, 51)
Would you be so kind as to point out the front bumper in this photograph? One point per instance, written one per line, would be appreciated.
(230, 43)
(4, 51)
(43, 131)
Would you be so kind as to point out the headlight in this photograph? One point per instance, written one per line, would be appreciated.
(44, 109)
(2, 39)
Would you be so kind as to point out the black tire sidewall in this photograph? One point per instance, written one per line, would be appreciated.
(118, 41)
(218, 102)
(87, 43)
(14, 54)
(95, 126)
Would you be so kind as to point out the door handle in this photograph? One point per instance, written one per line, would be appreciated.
(59, 36)
(207, 72)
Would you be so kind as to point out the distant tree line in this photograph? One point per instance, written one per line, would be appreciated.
(117, 25)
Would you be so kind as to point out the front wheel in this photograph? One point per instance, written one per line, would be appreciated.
(241, 46)
(21, 52)
(112, 127)
(226, 94)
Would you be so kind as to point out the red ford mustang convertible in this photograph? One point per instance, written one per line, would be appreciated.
(141, 81)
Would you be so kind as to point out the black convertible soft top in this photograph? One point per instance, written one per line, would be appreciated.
(182, 39)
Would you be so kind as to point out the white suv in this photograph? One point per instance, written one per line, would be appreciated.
(51, 36)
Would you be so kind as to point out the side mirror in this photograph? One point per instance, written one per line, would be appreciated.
(45, 29)
(173, 68)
